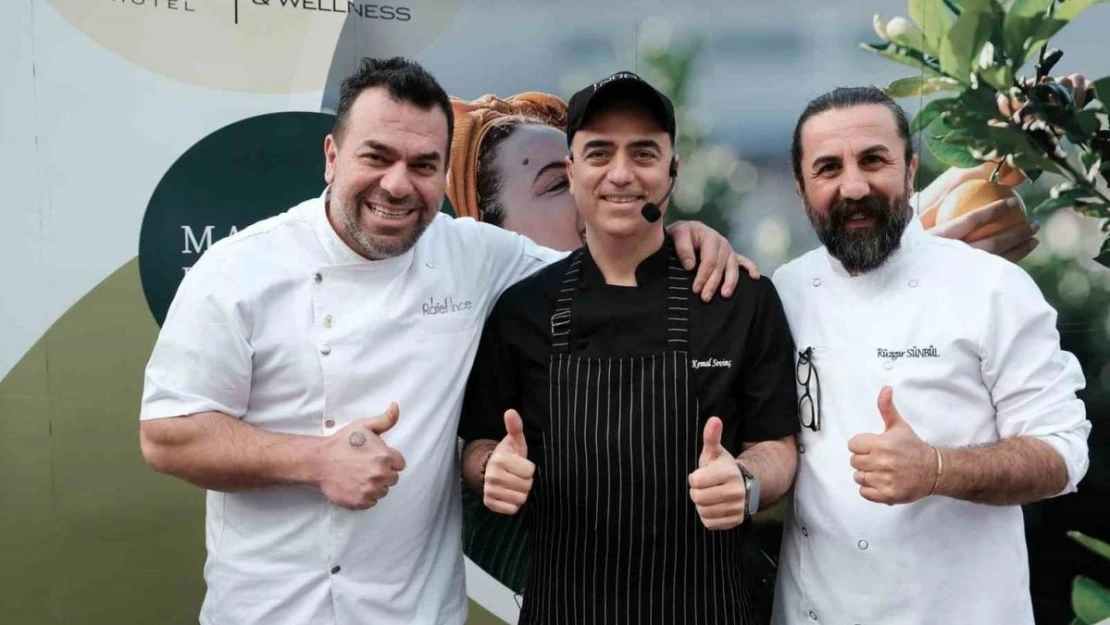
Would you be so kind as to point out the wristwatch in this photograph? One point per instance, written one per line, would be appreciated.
(751, 487)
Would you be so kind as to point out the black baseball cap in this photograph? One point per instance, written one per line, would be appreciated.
(622, 85)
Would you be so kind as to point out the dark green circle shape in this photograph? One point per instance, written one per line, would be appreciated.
(240, 174)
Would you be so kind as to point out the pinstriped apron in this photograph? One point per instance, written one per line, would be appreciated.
(615, 536)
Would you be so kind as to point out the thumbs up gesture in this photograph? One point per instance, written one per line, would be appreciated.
(717, 486)
(895, 466)
(356, 467)
(508, 477)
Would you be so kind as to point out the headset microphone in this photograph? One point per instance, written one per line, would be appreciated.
(651, 210)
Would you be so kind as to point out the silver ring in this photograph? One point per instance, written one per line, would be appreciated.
(357, 438)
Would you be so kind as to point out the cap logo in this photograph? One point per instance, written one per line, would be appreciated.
(618, 76)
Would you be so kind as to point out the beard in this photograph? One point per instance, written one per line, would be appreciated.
(862, 249)
(379, 247)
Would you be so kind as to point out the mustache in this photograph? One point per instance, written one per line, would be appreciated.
(384, 198)
(871, 206)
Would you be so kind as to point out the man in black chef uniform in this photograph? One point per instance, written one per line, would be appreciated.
(635, 426)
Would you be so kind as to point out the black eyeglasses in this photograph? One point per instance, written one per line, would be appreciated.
(809, 408)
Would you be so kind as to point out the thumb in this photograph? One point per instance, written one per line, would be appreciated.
(890, 414)
(386, 420)
(514, 427)
(711, 442)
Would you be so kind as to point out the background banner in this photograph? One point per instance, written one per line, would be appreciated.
(136, 133)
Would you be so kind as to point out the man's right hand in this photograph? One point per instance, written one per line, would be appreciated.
(357, 467)
(508, 477)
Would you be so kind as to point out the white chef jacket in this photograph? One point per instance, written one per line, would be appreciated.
(971, 350)
(285, 327)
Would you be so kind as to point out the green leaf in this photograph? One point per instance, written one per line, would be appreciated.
(1102, 90)
(1048, 28)
(1071, 9)
(1089, 599)
(999, 76)
(955, 6)
(931, 111)
(1022, 22)
(918, 85)
(951, 154)
(903, 55)
(962, 43)
(933, 18)
(1050, 204)
(1094, 544)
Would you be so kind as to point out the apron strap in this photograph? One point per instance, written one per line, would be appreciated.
(678, 303)
(560, 319)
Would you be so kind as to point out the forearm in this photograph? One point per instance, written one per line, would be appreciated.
(773, 463)
(1013, 471)
(218, 452)
(474, 458)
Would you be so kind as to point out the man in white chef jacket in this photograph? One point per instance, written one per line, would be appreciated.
(311, 368)
(934, 394)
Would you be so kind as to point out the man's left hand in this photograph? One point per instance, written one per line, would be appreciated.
(717, 487)
(895, 466)
(720, 264)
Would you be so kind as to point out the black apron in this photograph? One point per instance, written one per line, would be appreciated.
(615, 537)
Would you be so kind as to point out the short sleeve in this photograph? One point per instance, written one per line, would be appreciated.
(201, 361)
(766, 394)
(512, 257)
(1033, 382)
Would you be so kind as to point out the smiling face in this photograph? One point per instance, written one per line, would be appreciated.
(534, 196)
(855, 183)
(386, 173)
(621, 160)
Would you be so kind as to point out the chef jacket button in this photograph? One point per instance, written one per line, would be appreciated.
(429, 264)
(862, 545)
(817, 282)
(327, 321)
(582, 344)
(801, 448)
(805, 532)
(318, 278)
(583, 287)
(813, 615)
(912, 283)
(329, 423)
(888, 365)
(325, 349)
(335, 569)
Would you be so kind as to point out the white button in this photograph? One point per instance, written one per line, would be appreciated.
(325, 349)
(817, 282)
(429, 264)
(813, 615)
(888, 365)
(913, 283)
(318, 278)
(863, 545)
(327, 321)
(805, 532)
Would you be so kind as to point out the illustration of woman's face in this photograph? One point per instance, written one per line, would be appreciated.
(534, 193)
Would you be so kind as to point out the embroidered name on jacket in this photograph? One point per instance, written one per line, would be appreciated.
(913, 352)
(445, 306)
(712, 363)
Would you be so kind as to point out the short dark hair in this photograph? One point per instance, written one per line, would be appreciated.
(406, 81)
(847, 97)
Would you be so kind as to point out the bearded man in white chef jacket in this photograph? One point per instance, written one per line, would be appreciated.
(284, 341)
(935, 397)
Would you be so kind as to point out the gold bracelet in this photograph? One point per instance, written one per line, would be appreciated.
(940, 470)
